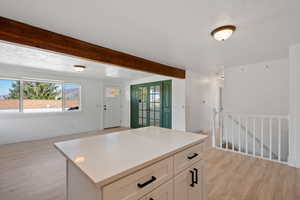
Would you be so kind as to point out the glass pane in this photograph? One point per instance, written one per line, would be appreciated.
(157, 98)
(152, 98)
(112, 92)
(152, 122)
(152, 89)
(140, 121)
(9, 96)
(140, 94)
(157, 123)
(144, 94)
(157, 94)
(151, 115)
(151, 106)
(42, 97)
(72, 97)
(145, 114)
(157, 115)
(144, 122)
(140, 114)
(157, 106)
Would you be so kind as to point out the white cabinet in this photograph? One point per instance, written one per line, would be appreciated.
(140, 183)
(186, 158)
(164, 192)
(178, 176)
(188, 185)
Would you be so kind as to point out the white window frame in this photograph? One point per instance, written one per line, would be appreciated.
(21, 99)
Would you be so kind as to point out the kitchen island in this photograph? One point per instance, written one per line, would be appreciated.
(149, 163)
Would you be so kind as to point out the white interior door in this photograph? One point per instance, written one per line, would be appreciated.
(112, 106)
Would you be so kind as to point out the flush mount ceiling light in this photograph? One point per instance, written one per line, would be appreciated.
(223, 33)
(79, 68)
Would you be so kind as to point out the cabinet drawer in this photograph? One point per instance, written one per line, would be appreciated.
(139, 183)
(188, 185)
(163, 192)
(186, 158)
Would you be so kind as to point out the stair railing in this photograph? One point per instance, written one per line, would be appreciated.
(263, 136)
(253, 136)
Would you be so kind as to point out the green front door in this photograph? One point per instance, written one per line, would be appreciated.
(151, 104)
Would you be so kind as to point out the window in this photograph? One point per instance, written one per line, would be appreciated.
(9, 95)
(31, 96)
(42, 96)
(71, 97)
(112, 92)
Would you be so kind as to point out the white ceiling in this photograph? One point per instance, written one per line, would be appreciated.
(34, 58)
(174, 32)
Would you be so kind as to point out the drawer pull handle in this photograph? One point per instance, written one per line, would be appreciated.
(196, 171)
(151, 199)
(193, 182)
(141, 185)
(193, 156)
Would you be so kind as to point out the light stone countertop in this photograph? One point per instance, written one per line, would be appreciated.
(105, 158)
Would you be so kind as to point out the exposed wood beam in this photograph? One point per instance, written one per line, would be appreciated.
(20, 33)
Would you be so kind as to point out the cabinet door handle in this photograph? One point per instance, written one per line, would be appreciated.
(151, 199)
(193, 174)
(196, 177)
(141, 185)
(193, 156)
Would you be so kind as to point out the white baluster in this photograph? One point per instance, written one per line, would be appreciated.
(213, 130)
(270, 138)
(232, 134)
(279, 139)
(254, 135)
(240, 133)
(226, 130)
(262, 138)
(221, 130)
(246, 135)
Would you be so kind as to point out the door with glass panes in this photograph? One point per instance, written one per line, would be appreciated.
(148, 104)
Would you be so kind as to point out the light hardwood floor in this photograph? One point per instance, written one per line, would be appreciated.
(36, 171)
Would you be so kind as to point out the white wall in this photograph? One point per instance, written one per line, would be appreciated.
(294, 139)
(263, 89)
(257, 89)
(29, 126)
(178, 100)
(201, 97)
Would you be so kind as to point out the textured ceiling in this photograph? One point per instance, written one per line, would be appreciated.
(174, 32)
(34, 58)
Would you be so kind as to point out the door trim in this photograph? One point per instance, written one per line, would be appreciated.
(133, 88)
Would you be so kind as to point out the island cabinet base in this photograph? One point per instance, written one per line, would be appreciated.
(79, 186)
(177, 177)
